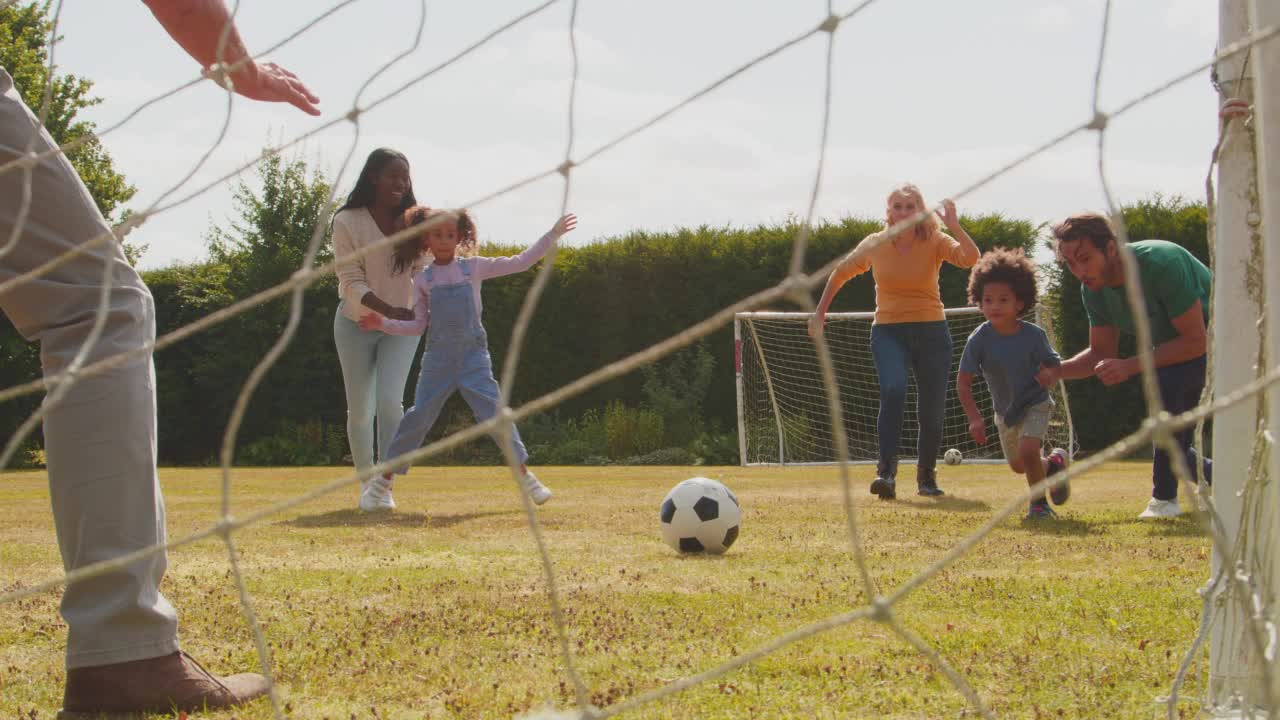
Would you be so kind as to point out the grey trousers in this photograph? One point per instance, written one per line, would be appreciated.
(100, 440)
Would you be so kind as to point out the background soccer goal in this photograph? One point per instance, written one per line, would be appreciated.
(782, 412)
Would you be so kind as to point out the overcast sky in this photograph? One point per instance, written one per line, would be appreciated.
(939, 92)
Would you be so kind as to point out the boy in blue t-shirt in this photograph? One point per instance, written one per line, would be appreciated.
(1009, 352)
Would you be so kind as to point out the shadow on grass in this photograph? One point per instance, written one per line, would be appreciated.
(1185, 525)
(350, 517)
(950, 503)
(1060, 526)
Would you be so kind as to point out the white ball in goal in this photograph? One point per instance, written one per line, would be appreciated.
(700, 515)
(952, 457)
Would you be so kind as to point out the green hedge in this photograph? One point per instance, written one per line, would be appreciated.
(606, 300)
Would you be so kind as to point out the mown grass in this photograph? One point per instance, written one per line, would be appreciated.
(439, 610)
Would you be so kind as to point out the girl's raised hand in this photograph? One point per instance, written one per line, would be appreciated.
(564, 225)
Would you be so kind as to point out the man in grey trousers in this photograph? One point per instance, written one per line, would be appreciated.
(100, 439)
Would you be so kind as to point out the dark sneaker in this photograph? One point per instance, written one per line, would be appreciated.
(885, 487)
(154, 685)
(1040, 510)
(927, 482)
(1058, 461)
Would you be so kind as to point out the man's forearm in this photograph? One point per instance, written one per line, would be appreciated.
(197, 26)
(1179, 350)
(1079, 366)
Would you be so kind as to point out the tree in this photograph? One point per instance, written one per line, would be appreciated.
(25, 35)
(263, 246)
(267, 243)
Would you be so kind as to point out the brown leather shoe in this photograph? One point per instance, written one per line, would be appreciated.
(160, 684)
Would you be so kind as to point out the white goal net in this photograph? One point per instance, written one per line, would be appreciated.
(783, 418)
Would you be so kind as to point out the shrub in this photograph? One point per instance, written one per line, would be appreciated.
(665, 456)
(631, 431)
(309, 443)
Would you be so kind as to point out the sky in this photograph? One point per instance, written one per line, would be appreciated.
(936, 92)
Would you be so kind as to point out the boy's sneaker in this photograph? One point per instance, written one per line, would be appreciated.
(1040, 510)
(1058, 461)
(1161, 509)
(377, 495)
(538, 492)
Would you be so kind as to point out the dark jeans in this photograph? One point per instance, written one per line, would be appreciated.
(925, 348)
(1180, 387)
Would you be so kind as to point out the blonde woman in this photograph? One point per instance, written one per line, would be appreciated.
(910, 331)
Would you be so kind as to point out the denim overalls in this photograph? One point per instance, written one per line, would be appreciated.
(456, 358)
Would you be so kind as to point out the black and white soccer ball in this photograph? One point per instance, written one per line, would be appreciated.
(952, 457)
(700, 515)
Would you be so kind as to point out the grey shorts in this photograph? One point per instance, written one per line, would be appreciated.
(1035, 423)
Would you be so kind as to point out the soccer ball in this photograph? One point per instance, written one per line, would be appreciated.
(952, 457)
(700, 515)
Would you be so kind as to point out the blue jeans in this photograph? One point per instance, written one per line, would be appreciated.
(925, 349)
(375, 367)
(1180, 387)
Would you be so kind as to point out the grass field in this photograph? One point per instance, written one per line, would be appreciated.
(439, 609)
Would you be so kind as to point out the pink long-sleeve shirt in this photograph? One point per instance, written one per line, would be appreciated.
(482, 268)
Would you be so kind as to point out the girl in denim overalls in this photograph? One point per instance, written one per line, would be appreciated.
(456, 356)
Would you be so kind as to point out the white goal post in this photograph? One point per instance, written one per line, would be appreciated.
(782, 411)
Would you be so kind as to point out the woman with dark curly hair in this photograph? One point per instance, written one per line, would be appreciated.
(375, 365)
(1009, 352)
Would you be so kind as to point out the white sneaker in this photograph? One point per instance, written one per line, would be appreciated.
(538, 492)
(1161, 509)
(377, 495)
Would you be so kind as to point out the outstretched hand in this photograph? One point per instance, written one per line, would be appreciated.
(1113, 371)
(370, 321)
(268, 82)
(947, 213)
(564, 225)
(1048, 375)
(978, 431)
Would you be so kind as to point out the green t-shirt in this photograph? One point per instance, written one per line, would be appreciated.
(1172, 280)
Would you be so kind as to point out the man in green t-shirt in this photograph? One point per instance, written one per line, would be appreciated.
(1175, 286)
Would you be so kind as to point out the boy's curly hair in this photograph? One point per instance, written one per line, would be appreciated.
(408, 250)
(1011, 267)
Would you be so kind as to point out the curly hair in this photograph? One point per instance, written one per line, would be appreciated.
(362, 194)
(1011, 267)
(408, 250)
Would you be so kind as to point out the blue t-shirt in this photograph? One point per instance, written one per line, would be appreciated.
(1010, 363)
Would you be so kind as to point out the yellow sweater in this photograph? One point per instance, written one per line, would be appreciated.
(907, 282)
